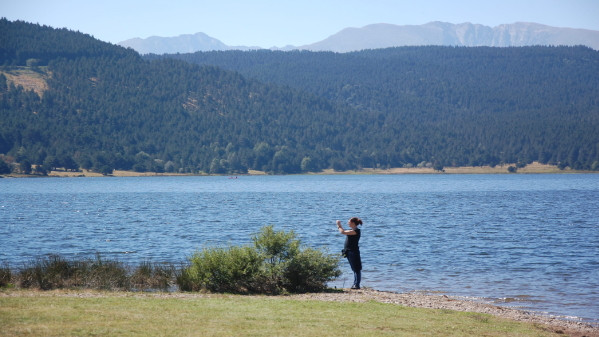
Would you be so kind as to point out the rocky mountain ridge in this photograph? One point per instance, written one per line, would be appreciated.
(186, 43)
(447, 34)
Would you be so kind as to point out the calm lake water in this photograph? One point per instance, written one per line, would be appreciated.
(529, 241)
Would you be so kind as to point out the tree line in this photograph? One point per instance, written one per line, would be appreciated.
(107, 108)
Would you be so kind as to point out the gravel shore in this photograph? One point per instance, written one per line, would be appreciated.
(419, 300)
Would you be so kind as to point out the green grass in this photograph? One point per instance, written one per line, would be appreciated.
(133, 314)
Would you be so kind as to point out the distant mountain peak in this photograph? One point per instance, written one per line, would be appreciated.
(186, 43)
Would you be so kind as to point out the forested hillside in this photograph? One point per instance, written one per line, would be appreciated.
(112, 110)
(103, 107)
(456, 106)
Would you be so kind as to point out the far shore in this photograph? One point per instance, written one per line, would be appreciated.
(533, 168)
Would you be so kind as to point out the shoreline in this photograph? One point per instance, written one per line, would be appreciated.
(533, 168)
(559, 325)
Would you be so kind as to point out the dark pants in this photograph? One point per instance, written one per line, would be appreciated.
(356, 266)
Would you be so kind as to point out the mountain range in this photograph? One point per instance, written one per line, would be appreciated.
(387, 35)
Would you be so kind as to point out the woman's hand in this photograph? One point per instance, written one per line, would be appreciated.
(339, 227)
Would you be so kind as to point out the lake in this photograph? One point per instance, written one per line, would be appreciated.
(526, 241)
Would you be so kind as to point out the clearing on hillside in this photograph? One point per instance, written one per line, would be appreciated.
(28, 78)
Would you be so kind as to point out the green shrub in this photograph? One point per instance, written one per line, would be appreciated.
(274, 264)
(235, 270)
(277, 250)
(310, 270)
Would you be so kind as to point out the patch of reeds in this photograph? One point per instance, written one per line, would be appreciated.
(5, 276)
(56, 272)
(150, 275)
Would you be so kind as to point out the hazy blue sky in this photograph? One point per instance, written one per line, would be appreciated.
(267, 23)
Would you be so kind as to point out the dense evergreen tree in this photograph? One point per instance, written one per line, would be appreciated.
(4, 167)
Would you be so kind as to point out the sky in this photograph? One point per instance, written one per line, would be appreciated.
(270, 23)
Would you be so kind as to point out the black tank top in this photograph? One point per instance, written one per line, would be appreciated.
(351, 241)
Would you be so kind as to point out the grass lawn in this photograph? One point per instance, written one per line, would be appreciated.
(131, 314)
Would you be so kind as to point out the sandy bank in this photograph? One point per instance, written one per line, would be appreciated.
(532, 168)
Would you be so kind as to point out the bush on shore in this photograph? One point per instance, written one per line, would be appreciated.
(275, 263)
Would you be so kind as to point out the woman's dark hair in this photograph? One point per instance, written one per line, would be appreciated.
(356, 221)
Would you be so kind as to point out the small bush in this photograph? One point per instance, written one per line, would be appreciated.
(5, 277)
(56, 272)
(152, 276)
(28, 277)
(184, 280)
(276, 263)
(520, 164)
(310, 270)
(101, 274)
(49, 273)
(235, 270)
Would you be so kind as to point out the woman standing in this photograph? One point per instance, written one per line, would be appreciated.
(351, 249)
